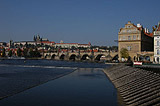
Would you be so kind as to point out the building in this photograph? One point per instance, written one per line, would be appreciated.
(25, 43)
(135, 39)
(157, 44)
(37, 41)
(72, 45)
(3, 44)
(49, 43)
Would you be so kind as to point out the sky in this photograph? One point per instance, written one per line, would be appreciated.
(74, 21)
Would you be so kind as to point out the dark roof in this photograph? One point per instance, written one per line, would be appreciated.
(23, 41)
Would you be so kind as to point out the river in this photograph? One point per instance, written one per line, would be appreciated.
(55, 83)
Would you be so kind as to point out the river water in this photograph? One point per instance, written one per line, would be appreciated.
(60, 83)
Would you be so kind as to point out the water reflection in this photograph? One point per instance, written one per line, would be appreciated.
(83, 87)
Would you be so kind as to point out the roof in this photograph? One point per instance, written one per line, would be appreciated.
(23, 41)
(148, 34)
(83, 44)
(141, 28)
(66, 43)
(47, 42)
(2, 42)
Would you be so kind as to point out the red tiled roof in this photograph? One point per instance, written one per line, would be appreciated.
(140, 29)
(148, 34)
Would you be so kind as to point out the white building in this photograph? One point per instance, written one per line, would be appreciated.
(157, 44)
(70, 45)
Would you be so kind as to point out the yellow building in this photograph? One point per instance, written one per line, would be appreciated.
(135, 39)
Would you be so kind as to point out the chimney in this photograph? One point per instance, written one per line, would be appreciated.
(145, 29)
(139, 25)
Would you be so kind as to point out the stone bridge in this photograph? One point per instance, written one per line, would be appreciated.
(93, 56)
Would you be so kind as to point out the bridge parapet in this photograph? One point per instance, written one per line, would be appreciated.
(79, 56)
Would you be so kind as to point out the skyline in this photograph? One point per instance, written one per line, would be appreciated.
(73, 21)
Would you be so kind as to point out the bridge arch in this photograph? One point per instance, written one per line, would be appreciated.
(98, 57)
(46, 56)
(72, 57)
(85, 57)
(53, 56)
(62, 57)
(115, 58)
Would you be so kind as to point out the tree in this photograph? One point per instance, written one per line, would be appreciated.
(114, 48)
(10, 53)
(19, 52)
(25, 52)
(37, 53)
(124, 53)
(3, 52)
(31, 53)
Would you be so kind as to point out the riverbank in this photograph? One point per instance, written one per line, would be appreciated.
(135, 86)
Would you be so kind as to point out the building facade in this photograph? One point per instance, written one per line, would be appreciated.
(157, 44)
(135, 39)
(71, 45)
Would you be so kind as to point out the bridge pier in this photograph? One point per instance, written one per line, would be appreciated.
(78, 56)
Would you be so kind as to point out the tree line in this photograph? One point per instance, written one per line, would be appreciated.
(22, 53)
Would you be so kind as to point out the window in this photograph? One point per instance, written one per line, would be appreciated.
(129, 37)
(158, 52)
(134, 37)
(129, 48)
(129, 31)
(157, 43)
(123, 30)
(123, 38)
(129, 26)
(120, 38)
(137, 37)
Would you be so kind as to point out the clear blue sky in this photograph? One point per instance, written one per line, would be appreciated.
(74, 21)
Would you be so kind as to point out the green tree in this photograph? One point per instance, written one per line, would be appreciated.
(37, 53)
(10, 53)
(34, 53)
(3, 52)
(19, 52)
(124, 53)
(31, 53)
(25, 52)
